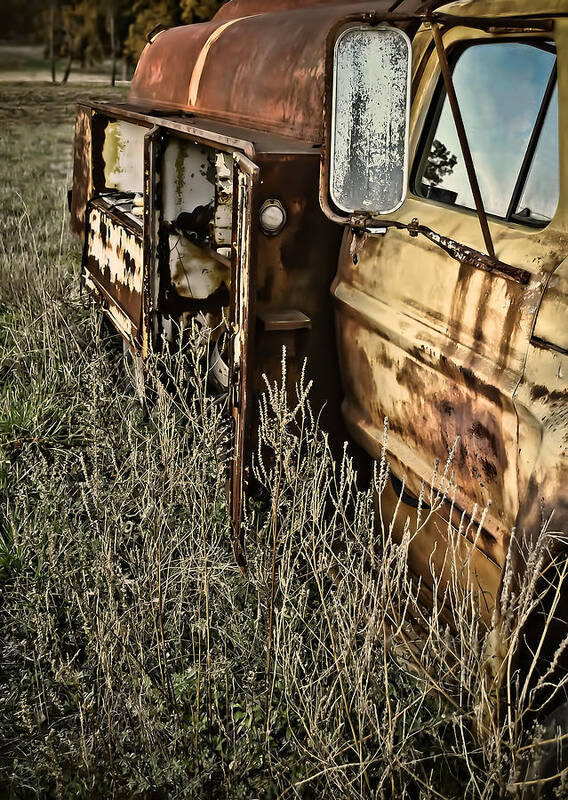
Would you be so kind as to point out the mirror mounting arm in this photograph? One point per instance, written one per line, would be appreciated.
(462, 136)
(461, 253)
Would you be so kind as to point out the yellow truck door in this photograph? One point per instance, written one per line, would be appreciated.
(434, 344)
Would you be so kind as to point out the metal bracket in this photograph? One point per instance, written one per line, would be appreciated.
(286, 319)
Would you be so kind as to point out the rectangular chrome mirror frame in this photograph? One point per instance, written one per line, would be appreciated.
(340, 133)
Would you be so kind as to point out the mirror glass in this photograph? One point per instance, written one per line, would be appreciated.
(369, 118)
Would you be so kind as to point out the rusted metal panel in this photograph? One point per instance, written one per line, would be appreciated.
(246, 8)
(429, 551)
(542, 403)
(242, 355)
(113, 264)
(295, 270)
(272, 66)
(439, 349)
(287, 303)
(204, 131)
(503, 9)
(82, 173)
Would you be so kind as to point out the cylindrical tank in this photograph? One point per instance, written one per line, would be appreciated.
(248, 66)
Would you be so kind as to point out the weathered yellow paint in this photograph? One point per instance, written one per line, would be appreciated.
(446, 351)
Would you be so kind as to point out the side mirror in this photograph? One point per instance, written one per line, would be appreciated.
(369, 120)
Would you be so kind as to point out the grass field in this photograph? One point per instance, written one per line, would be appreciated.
(38, 258)
(29, 63)
(136, 661)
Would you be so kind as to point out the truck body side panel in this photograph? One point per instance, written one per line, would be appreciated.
(293, 279)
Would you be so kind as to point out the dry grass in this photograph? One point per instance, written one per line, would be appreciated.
(136, 659)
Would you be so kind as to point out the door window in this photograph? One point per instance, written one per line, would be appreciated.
(509, 104)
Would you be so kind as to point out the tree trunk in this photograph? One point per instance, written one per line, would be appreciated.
(112, 30)
(52, 9)
(68, 66)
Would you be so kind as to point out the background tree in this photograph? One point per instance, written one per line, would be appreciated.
(111, 23)
(52, 18)
(82, 24)
(119, 16)
(147, 14)
(198, 10)
(46, 27)
(440, 163)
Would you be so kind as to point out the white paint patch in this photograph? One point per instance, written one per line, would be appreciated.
(187, 178)
(123, 154)
(370, 119)
(223, 221)
(118, 240)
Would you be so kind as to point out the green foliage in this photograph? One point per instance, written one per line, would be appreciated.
(146, 15)
(82, 31)
(198, 10)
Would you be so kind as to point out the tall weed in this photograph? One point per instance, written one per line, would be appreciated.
(137, 660)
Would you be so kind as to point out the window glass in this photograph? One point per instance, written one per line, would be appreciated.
(540, 195)
(501, 88)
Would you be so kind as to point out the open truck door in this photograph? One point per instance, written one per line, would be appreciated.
(239, 398)
(165, 209)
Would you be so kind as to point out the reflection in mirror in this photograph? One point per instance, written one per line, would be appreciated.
(369, 141)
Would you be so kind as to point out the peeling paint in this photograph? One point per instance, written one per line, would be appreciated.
(114, 260)
(122, 155)
(193, 273)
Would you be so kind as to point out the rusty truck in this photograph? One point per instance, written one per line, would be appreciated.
(376, 186)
